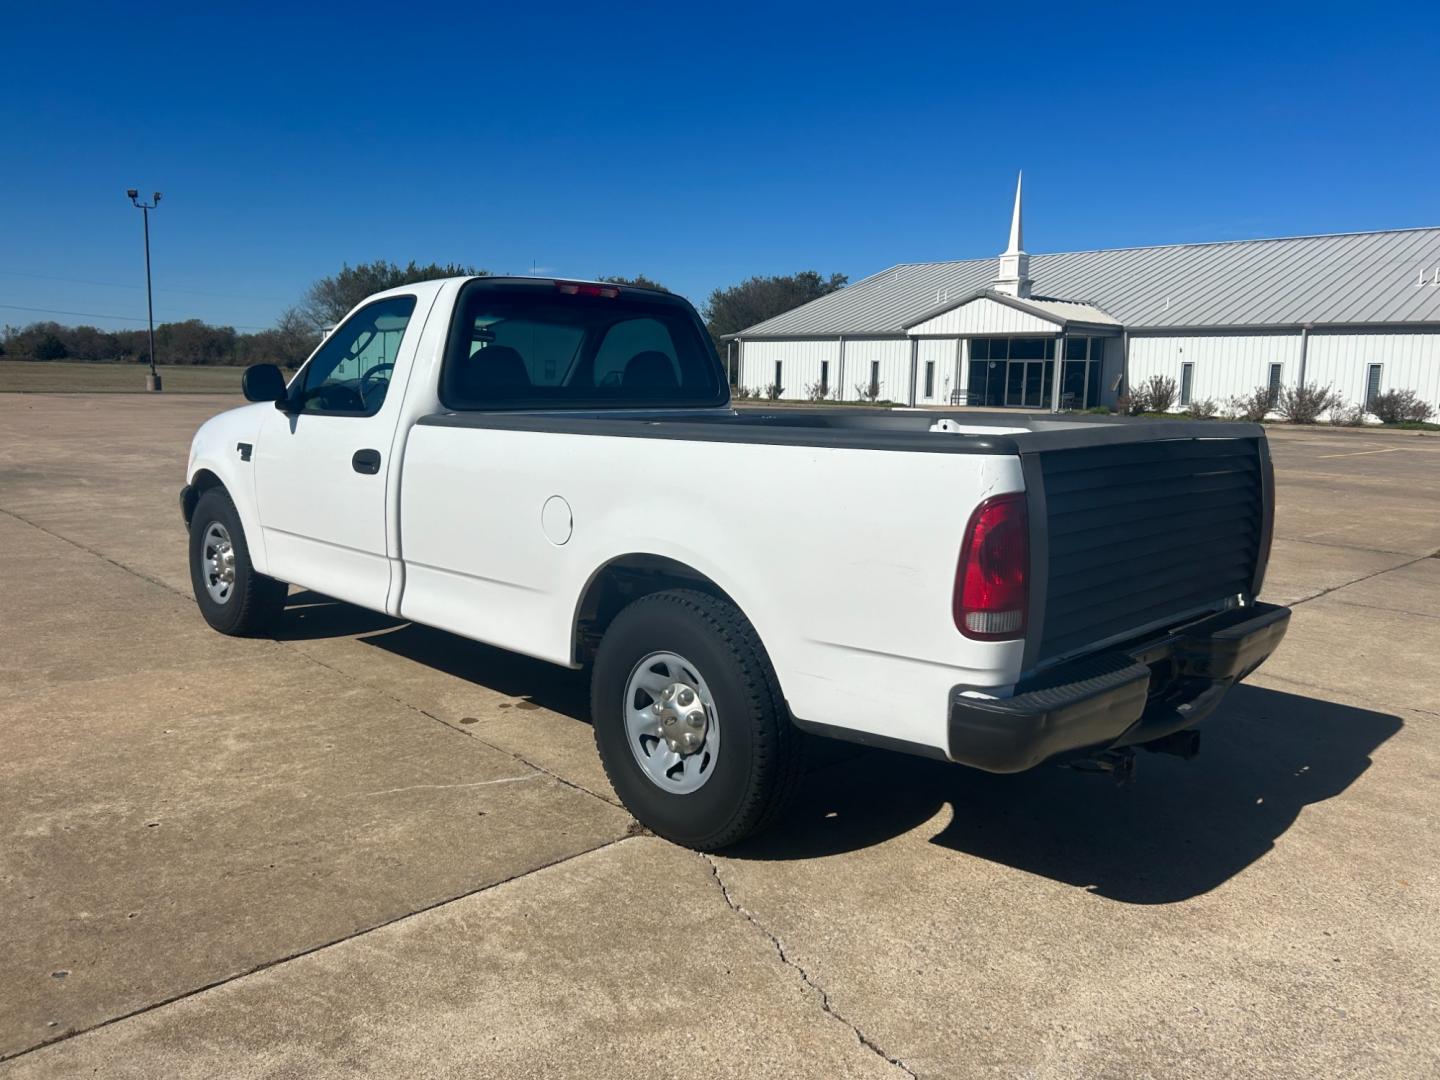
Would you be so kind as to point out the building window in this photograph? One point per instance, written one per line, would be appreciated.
(1275, 370)
(824, 378)
(929, 378)
(1187, 382)
(875, 378)
(779, 384)
(1372, 385)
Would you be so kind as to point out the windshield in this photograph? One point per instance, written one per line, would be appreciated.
(538, 346)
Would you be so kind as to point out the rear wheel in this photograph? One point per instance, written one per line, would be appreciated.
(234, 598)
(690, 723)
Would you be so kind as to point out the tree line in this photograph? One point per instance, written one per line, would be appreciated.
(299, 328)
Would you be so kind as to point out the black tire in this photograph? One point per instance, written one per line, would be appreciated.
(254, 601)
(759, 763)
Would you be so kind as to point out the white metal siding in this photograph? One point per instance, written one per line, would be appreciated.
(1226, 365)
(894, 358)
(985, 316)
(941, 353)
(801, 364)
(1411, 361)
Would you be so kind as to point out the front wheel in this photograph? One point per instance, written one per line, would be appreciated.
(232, 595)
(690, 723)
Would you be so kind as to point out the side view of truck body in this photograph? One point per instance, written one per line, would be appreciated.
(555, 468)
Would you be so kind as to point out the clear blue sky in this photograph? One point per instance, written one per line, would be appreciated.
(696, 144)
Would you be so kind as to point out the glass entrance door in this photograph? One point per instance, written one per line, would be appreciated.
(1015, 383)
(1016, 372)
(1027, 383)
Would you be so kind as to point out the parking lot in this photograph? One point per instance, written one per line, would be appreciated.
(372, 848)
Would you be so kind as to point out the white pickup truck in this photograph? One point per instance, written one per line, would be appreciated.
(554, 467)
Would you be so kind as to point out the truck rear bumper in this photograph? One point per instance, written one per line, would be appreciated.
(1122, 698)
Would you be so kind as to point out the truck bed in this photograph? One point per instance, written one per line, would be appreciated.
(859, 429)
(1135, 524)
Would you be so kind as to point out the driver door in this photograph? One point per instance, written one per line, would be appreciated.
(321, 469)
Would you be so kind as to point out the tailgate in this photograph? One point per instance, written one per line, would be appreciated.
(1138, 533)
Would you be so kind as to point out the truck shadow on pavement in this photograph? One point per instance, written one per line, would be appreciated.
(1179, 830)
(310, 616)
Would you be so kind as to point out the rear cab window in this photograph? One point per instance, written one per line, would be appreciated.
(562, 345)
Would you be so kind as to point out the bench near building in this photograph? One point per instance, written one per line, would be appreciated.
(1357, 311)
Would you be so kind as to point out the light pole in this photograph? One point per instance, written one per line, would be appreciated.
(152, 381)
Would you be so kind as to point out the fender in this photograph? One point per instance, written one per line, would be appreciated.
(687, 563)
(223, 448)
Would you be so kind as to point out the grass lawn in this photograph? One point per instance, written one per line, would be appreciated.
(63, 377)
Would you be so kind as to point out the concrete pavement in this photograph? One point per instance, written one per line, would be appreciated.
(372, 848)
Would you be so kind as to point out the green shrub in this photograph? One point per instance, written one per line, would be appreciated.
(1203, 409)
(1254, 406)
(1347, 415)
(1159, 393)
(1306, 404)
(1400, 406)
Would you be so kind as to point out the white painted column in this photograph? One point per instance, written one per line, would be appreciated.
(1057, 378)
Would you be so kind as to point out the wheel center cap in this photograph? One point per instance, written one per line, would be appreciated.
(682, 719)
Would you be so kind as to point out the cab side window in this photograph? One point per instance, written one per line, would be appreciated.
(350, 374)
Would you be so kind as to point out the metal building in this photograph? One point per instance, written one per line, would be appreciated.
(1359, 312)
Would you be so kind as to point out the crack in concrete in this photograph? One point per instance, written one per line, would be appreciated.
(1355, 695)
(294, 647)
(805, 977)
(632, 829)
(1358, 580)
(1343, 547)
(449, 726)
(98, 554)
(1392, 610)
(277, 961)
(445, 787)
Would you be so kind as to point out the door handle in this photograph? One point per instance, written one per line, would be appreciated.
(366, 461)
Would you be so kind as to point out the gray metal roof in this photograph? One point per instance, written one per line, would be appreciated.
(1346, 278)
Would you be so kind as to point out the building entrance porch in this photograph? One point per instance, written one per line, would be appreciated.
(1019, 372)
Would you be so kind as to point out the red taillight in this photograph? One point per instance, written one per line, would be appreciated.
(587, 288)
(992, 583)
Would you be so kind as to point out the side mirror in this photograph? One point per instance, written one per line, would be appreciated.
(263, 382)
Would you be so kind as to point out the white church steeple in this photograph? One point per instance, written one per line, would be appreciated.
(1014, 276)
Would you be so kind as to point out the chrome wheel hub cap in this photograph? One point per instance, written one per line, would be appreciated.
(670, 723)
(219, 559)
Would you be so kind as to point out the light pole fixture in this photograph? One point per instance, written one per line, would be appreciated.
(152, 381)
